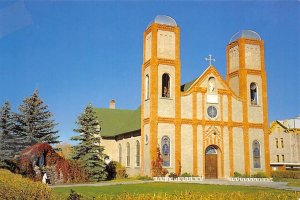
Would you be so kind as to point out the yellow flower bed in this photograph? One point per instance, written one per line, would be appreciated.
(14, 186)
(205, 196)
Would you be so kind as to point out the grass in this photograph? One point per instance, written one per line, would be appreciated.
(88, 192)
(290, 181)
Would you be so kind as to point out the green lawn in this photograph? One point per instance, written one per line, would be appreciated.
(160, 188)
(290, 181)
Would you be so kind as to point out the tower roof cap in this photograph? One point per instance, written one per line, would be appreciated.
(165, 20)
(245, 34)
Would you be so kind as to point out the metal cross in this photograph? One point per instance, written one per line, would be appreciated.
(209, 59)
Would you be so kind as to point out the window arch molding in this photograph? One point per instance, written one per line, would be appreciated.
(256, 151)
(166, 85)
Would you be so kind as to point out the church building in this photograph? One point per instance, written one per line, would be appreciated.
(209, 127)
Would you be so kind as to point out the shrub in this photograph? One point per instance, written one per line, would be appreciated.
(259, 175)
(76, 173)
(173, 175)
(185, 174)
(65, 170)
(237, 174)
(286, 174)
(14, 186)
(74, 196)
(120, 171)
(156, 168)
(111, 170)
(139, 177)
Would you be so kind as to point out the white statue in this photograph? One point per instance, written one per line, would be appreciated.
(211, 84)
(44, 180)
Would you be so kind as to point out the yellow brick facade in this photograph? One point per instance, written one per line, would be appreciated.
(185, 117)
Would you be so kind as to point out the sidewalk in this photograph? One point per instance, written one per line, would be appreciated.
(274, 185)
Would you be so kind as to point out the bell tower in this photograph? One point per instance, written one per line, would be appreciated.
(246, 76)
(160, 87)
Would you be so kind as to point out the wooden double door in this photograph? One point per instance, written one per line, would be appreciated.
(211, 166)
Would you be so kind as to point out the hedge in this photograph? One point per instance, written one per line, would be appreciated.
(14, 186)
(286, 174)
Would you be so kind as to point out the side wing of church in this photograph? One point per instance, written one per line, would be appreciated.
(208, 127)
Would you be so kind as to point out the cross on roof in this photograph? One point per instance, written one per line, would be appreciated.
(209, 59)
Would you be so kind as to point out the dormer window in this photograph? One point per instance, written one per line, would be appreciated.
(165, 86)
(253, 93)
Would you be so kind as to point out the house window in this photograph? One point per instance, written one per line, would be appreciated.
(137, 153)
(253, 93)
(128, 154)
(282, 158)
(281, 143)
(165, 151)
(147, 96)
(165, 86)
(256, 154)
(277, 156)
(120, 153)
(276, 142)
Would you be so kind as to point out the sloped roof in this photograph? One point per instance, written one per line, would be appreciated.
(187, 85)
(118, 121)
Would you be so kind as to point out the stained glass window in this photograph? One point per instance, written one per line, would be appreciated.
(137, 153)
(165, 150)
(211, 150)
(256, 154)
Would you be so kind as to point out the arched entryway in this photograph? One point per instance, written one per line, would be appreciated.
(211, 162)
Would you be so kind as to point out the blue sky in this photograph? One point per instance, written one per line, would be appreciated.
(80, 52)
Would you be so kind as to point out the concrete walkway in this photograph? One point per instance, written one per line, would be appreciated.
(274, 185)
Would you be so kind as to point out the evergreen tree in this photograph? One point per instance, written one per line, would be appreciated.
(34, 121)
(10, 141)
(89, 150)
(6, 129)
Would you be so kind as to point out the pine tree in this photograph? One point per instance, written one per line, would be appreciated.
(34, 121)
(89, 150)
(9, 140)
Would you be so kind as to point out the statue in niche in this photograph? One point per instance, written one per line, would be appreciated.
(211, 84)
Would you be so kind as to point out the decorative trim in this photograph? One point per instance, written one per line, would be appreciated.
(178, 179)
(250, 179)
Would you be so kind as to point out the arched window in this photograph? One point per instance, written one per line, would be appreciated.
(128, 154)
(165, 151)
(211, 150)
(256, 154)
(147, 96)
(165, 86)
(137, 153)
(120, 153)
(253, 93)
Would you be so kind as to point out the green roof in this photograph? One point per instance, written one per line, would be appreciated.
(186, 86)
(116, 121)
